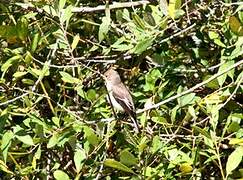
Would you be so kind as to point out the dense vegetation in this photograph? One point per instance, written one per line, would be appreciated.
(182, 61)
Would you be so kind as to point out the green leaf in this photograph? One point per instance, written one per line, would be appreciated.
(80, 91)
(185, 168)
(19, 74)
(53, 140)
(22, 28)
(233, 127)
(235, 26)
(212, 84)
(68, 78)
(173, 6)
(192, 112)
(163, 5)
(127, 158)
(65, 17)
(186, 99)
(104, 28)
(28, 58)
(159, 119)
(25, 138)
(149, 18)
(151, 78)
(122, 47)
(75, 42)
(35, 41)
(213, 35)
(91, 136)
(117, 165)
(126, 15)
(234, 159)
(143, 45)
(221, 79)
(156, 144)
(138, 21)
(202, 131)
(61, 4)
(28, 81)
(79, 157)
(4, 167)
(91, 95)
(9, 62)
(40, 72)
(60, 175)
(174, 113)
(56, 121)
(235, 141)
(6, 143)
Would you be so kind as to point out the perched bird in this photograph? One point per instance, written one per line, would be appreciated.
(119, 95)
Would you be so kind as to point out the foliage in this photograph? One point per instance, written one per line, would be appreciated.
(182, 61)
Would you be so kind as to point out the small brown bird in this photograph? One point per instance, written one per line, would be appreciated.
(120, 96)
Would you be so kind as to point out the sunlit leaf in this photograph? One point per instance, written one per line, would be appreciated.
(61, 4)
(138, 21)
(117, 165)
(104, 28)
(91, 136)
(127, 158)
(9, 62)
(25, 138)
(75, 42)
(34, 43)
(60, 175)
(143, 45)
(68, 78)
(53, 140)
(19, 74)
(236, 141)
(4, 168)
(186, 167)
(235, 26)
(234, 159)
(91, 95)
(6, 143)
(173, 6)
(223, 67)
(163, 6)
(186, 99)
(79, 157)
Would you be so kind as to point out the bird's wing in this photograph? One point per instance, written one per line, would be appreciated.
(124, 98)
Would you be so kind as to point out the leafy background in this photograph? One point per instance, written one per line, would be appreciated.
(182, 60)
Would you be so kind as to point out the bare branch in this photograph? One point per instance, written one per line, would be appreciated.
(112, 6)
(191, 89)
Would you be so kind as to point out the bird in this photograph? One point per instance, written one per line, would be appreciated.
(120, 96)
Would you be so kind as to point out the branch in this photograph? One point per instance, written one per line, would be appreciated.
(191, 89)
(112, 6)
(14, 99)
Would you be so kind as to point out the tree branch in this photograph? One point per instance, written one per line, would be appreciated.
(191, 89)
(112, 6)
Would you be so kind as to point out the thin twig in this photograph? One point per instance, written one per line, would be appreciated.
(234, 92)
(191, 89)
(14, 99)
(112, 6)
(178, 33)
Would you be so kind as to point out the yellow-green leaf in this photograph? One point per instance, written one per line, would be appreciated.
(117, 165)
(127, 158)
(185, 168)
(235, 26)
(234, 159)
(173, 6)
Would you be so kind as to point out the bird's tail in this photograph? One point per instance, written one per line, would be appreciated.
(135, 122)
